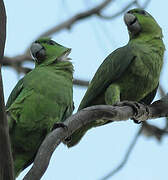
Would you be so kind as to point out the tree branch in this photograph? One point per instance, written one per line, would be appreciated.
(162, 94)
(118, 13)
(64, 25)
(15, 63)
(135, 2)
(83, 117)
(158, 107)
(76, 18)
(150, 130)
(10, 61)
(6, 164)
(146, 4)
(161, 91)
(80, 82)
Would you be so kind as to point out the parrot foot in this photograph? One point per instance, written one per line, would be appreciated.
(137, 107)
(62, 125)
(59, 125)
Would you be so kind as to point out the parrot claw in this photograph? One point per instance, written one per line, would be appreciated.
(62, 125)
(59, 125)
(137, 109)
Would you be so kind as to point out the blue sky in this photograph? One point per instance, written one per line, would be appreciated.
(91, 41)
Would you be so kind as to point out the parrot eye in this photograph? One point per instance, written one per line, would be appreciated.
(142, 12)
(129, 12)
(51, 42)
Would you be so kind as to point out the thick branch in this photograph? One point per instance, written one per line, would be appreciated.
(6, 167)
(81, 118)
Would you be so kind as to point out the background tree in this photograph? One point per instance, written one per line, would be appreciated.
(6, 165)
(92, 29)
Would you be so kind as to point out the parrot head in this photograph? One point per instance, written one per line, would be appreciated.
(141, 23)
(46, 51)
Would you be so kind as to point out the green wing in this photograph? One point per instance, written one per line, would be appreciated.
(110, 70)
(149, 98)
(14, 94)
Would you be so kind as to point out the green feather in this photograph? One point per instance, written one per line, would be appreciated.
(129, 73)
(40, 99)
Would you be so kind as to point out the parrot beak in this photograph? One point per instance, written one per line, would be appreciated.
(37, 51)
(132, 23)
(65, 57)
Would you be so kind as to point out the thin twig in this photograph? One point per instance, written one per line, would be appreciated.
(125, 159)
(135, 2)
(150, 130)
(162, 94)
(64, 25)
(76, 18)
(25, 70)
(79, 82)
(146, 4)
(118, 13)
(161, 91)
(80, 16)
(17, 61)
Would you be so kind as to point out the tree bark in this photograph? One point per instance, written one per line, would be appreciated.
(6, 164)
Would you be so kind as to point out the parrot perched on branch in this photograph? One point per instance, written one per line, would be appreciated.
(130, 73)
(41, 99)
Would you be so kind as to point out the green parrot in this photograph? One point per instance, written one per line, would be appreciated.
(42, 99)
(130, 73)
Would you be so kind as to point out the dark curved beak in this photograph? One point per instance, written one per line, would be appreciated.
(132, 23)
(129, 19)
(35, 49)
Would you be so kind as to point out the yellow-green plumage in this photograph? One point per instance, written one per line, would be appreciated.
(39, 100)
(130, 72)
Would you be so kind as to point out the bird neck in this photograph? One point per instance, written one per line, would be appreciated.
(62, 66)
(153, 42)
